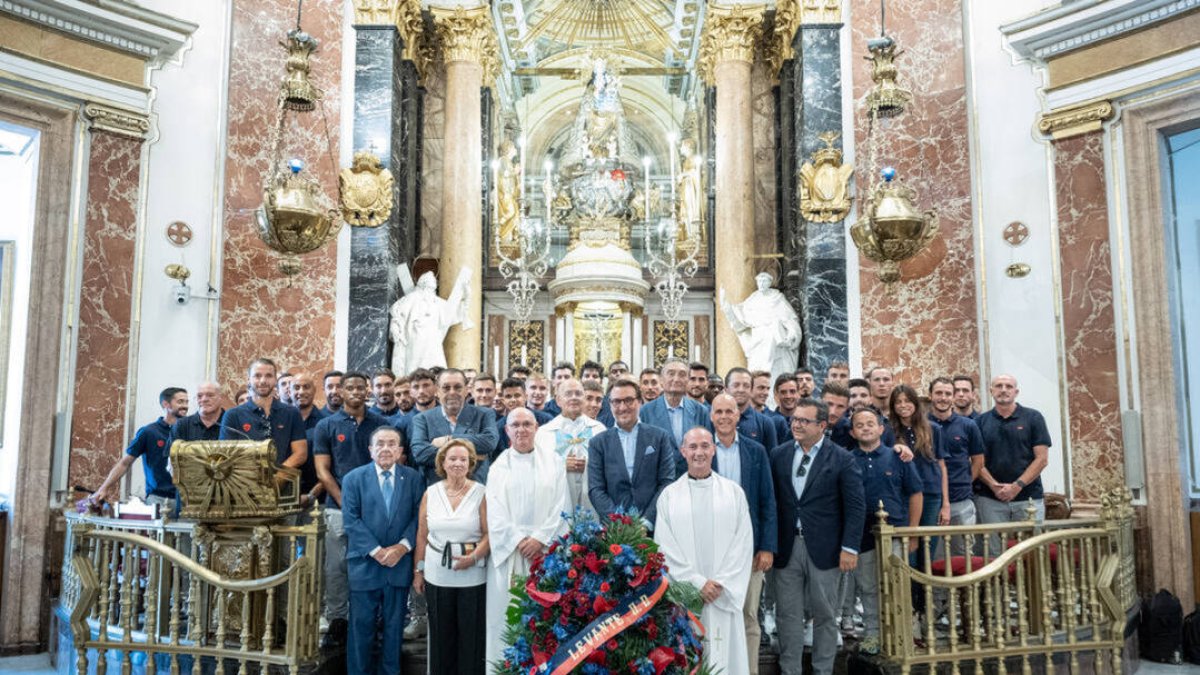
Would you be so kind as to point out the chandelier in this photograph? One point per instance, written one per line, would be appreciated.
(296, 216)
(671, 262)
(525, 263)
(892, 229)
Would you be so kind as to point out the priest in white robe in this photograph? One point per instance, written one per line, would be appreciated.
(568, 436)
(704, 532)
(526, 497)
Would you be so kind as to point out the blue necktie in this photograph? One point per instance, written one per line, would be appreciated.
(387, 489)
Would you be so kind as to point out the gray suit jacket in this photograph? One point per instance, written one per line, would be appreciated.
(609, 484)
(475, 424)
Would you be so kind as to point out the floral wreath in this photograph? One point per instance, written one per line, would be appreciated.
(599, 603)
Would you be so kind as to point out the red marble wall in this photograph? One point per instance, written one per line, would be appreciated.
(264, 313)
(1093, 402)
(105, 305)
(925, 325)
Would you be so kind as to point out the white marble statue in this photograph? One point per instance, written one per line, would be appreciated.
(421, 319)
(767, 327)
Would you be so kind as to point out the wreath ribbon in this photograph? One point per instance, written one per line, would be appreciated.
(577, 648)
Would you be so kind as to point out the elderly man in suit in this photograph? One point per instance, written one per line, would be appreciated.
(629, 464)
(746, 463)
(453, 419)
(820, 507)
(673, 412)
(380, 505)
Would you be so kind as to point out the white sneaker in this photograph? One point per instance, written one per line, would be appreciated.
(417, 627)
(808, 634)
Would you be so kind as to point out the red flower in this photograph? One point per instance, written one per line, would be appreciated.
(571, 574)
(604, 587)
(593, 563)
(576, 548)
(614, 549)
(602, 604)
(611, 645)
(599, 657)
(652, 630)
(661, 657)
(617, 174)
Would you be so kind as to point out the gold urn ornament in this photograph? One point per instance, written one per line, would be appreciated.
(298, 92)
(893, 229)
(366, 189)
(295, 217)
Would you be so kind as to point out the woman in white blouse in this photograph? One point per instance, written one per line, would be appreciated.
(451, 555)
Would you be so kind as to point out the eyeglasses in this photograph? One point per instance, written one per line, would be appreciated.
(802, 470)
(616, 402)
(803, 420)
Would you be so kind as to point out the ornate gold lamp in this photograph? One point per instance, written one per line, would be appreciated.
(296, 216)
(893, 229)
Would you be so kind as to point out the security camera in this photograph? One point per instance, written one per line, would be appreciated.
(182, 294)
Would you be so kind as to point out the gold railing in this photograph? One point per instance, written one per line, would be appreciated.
(185, 593)
(1026, 591)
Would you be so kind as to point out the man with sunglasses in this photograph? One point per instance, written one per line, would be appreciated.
(820, 507)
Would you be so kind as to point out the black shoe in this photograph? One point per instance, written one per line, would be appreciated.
(335, 637)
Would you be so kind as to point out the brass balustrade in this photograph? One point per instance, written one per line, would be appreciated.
(239, 593)
(1008, 592)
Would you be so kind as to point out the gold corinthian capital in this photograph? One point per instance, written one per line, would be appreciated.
(468, 35)
(731, 33)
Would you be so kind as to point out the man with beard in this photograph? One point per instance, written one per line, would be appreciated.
(568, 436)
(805, 384)
(453, 419)
(839, 372)
(150, 443)
(205, 423)
(964, 450)
(405, 401)
(423, 390)
(383, 386)
(964, 397)
(263, 416)
(303, 394)
(697, 383)
(332, 383)
(341, 443)
(651, 387)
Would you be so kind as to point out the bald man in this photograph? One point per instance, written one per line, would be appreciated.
(205, 423)
(304, 394)
(1016, 448)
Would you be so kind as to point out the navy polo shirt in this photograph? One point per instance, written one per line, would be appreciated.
(247, 422)
(929, 469)
(1008, 447)
(308, 471)
(150, 443)
(758, 427)
(388, 413)
(346, 440)
(886, 479)
(962, 441)
(191, 428)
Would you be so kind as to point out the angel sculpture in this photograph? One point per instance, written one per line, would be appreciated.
(421, 319)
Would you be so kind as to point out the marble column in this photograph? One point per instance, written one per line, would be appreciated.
(387, 103)
(1089, 322)
(823, 284)
(730, 34)
(468, 43)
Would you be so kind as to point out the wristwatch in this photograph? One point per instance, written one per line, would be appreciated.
(420, 565)
(1021, 483)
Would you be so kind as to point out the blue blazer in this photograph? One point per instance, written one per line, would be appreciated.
(832, 508)
(609, 484)
(694, 415)
(475, 424)
(368, 524)
(760, 493)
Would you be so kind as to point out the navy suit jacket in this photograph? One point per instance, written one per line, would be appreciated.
(758, 427)
(609, 484)
(831, 510)
(694, 415)
(760, 493)
(475, 424)
(369, 524)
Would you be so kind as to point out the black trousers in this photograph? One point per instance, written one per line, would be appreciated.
(457, 629)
